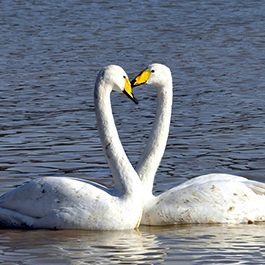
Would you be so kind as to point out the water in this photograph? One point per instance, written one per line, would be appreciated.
(50, 54)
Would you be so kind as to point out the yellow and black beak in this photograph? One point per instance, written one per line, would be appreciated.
(128, 91)
(141, 79)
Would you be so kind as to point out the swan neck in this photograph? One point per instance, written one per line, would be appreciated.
(125, 177)
(156, 144)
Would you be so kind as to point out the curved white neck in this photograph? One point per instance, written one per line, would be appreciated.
(155, 147)
(124, 175)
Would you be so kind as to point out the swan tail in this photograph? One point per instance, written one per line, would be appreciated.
(257, 187)
(9, 218)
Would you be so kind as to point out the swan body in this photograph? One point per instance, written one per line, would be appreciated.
(212, 198)
(66, 203)
(69, 203)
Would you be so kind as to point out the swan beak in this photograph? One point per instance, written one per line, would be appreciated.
(128, 91)
(141, 79)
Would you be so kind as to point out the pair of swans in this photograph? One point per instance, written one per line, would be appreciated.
(68, 203)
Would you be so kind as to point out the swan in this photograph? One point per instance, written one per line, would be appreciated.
(211, 198)
(70, 203)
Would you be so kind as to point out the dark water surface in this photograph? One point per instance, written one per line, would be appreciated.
(50, 54)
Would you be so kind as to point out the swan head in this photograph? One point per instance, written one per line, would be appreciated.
(117, 78)
(155, 74)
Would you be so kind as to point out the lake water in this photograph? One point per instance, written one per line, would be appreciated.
(50, 54)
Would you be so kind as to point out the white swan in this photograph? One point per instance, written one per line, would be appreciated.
(67, 203)
(213, 198)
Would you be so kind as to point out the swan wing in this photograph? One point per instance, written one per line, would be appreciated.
(65, 203)
(214, 198)
(38, 197)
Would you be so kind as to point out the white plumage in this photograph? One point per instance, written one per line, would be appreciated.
(213, 198)
(67, 203)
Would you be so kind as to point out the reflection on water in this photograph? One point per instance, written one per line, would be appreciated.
(187, 244)
(79, 247)
(50, 55)
(212, 244)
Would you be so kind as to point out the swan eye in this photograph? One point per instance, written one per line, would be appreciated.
(152, 71)
(124, 77)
